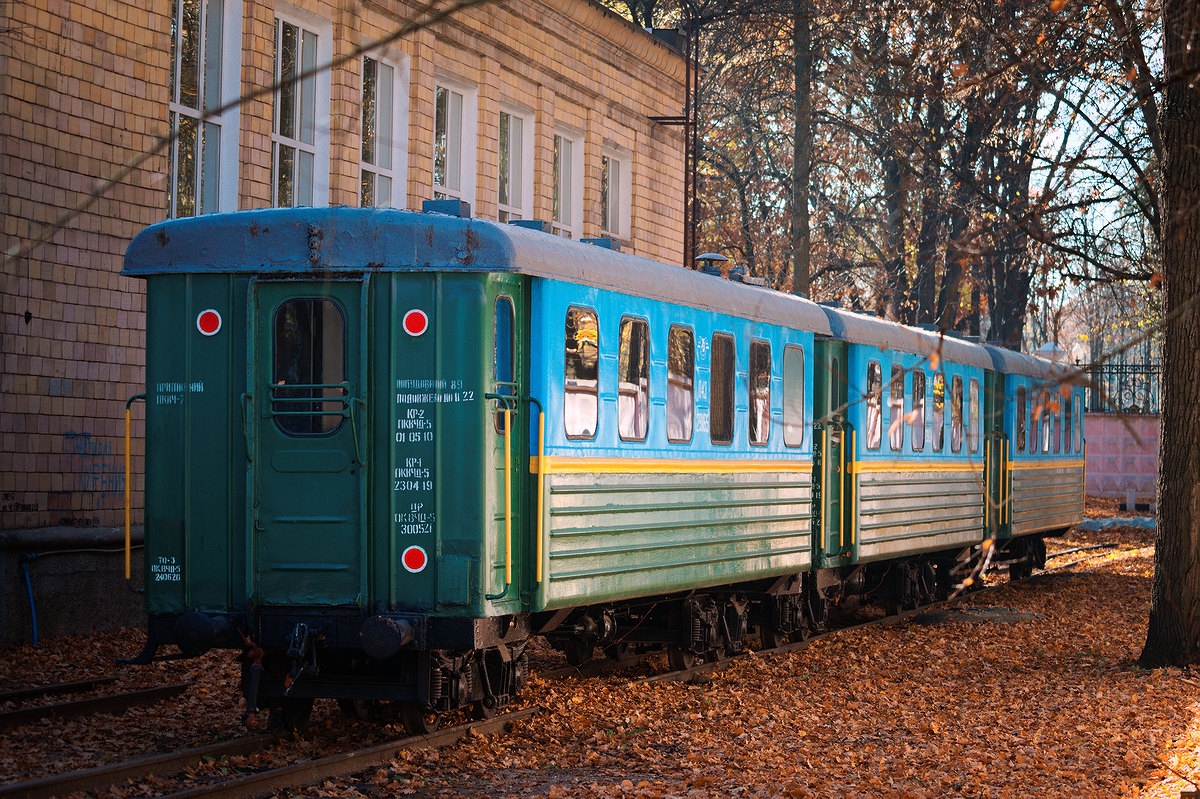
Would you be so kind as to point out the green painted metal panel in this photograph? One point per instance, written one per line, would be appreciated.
(194, 433)
(613, 535)
(305, 410)
(834, 533)
(901, 513)
(446, 450)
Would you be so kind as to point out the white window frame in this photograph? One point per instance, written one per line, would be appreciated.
(311, 118)
(391, 138)
(460, 145)
(218, 74)
(615, 200)
(567, 185)
(520, 166)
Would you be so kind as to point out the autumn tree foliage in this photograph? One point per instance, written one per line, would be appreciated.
(966, 161)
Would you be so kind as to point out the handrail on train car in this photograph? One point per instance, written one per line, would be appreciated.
(129, 479)
(505, 400)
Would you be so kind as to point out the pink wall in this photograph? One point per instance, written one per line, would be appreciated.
(1122, 455)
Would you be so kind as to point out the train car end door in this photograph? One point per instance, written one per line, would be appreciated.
(304, 413)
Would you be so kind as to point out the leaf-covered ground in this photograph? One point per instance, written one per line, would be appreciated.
(1029, 690)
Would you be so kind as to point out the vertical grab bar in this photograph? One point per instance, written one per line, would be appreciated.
(129, 480)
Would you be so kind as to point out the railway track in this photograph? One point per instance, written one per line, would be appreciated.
(113, 703)
(265, 782)
(251, 784)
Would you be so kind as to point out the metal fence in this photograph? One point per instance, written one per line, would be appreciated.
(1125, 388)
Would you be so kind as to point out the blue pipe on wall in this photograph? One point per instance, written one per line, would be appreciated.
(25, 560)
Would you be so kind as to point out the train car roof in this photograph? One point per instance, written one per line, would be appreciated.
(1011, 362)
(861, 328)
(326, 241)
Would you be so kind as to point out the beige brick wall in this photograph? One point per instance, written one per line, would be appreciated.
(82, 91)
(84, 86)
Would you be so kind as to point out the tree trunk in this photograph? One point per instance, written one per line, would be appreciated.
(802, 13)
(1173, 636)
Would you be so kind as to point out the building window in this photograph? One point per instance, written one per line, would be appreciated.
(515, 179)
(447, 143)
(633, 380)
(299, 141)
(567, 202)
(720, 391)
(681, 364)
(793, 397)
(896, 408)
(581, 391)
(384, 147)
(759, 385)
(201, 35)
(614, 195)
(874, 405)
(918, 410)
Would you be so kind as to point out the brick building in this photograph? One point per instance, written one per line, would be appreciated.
(541, 110)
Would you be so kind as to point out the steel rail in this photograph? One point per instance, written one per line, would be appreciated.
(116, 703)
(103, 777)
(79, 687)
(267, 783)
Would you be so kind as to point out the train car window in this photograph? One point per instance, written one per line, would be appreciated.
(1022, 417)
(1078, 423)
(939, 411)
(681, 370)
(720, 394)
(1057, 434)
(1044, 421)
(956, 414)
(896, 408)
(633, 380)
(874, 431)
(580, 405)
(1068, 420)
(502, 360)
(759, 387)
(308, 381)
(793, 397)
(973, 416)
(918, 410)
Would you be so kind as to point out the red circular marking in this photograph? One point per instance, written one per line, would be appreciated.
(208, 322)
(414, 559)
(416, 322)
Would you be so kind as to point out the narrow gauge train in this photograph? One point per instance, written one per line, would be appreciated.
(385, 448)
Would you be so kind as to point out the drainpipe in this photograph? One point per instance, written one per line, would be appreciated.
(26, 558)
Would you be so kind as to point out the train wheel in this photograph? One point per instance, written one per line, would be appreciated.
(293, 715)
(618, 652)
(482, 711)
(680, 659)
(361, 709)
(578, 651)
(772, 637)
(420, 719)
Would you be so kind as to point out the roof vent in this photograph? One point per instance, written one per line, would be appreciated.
(533, 224)
(739, 274)
(607, 242)
(710, 262)
(459, 208)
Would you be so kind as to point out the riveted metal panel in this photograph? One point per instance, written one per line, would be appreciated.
(904, 513)
(1047, 496)
(612, 535)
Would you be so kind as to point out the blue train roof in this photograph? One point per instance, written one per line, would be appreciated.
(321, 241)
